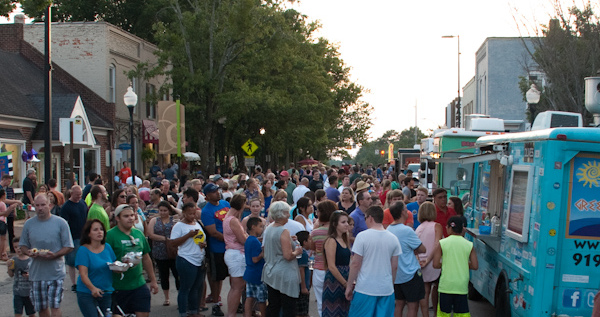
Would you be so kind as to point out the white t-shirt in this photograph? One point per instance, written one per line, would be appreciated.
(294, 227)
(376, 247)
(189, 250)
(138, 181)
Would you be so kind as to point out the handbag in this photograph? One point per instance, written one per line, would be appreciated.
(171, 248)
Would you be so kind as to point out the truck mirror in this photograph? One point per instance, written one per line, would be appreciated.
(431, 165)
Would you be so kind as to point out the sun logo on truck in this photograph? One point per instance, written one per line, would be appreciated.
(589, 174)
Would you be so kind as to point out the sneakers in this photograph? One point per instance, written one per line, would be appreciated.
(240, 309)
(216, 311)
(74, 288)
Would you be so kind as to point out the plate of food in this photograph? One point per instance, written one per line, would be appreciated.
(119, 266)
(132, 257)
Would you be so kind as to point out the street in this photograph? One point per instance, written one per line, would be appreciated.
(71, 309)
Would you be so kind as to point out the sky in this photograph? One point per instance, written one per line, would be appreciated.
(395, 49)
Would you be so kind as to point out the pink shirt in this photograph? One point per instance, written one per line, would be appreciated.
(231, 241)
(426, 232)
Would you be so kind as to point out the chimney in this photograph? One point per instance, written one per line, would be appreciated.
(11, 36)
(19, 19)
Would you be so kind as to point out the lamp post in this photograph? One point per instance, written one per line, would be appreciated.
(533, 97)
(458, 103)
(130, 100)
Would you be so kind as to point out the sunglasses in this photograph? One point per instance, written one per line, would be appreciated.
(132, 240)
(122, 196)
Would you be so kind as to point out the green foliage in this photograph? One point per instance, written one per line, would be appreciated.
(567, 52)
(369, 152)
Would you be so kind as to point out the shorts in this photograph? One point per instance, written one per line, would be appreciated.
(70, 257)
(411, 291)
(46, 294)
(3, 228)
(218, 268)
(376, 306)
(302, 305)
(23, 301)
(257, 291)
(236, 262)
(132, 301)
(448, 303)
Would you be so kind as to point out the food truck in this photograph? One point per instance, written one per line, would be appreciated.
(439, 154)
(534, 219)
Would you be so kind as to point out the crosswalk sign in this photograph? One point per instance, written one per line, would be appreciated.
(249, 147)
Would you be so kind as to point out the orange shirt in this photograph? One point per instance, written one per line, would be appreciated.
(388, 219)
(124, 174)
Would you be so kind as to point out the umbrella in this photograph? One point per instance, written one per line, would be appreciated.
(308, 162)
(191, 156)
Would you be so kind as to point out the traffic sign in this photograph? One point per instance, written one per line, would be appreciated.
(249, 147)
(249, 161)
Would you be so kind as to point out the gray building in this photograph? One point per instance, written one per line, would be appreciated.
(499, 63)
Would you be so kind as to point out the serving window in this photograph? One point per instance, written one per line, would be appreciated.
(519, 207)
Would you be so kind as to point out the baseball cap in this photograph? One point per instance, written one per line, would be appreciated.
(210, 188)
(121, 208)
(284, 174)
(217, 177)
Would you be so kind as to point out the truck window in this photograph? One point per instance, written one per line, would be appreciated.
(519, 206)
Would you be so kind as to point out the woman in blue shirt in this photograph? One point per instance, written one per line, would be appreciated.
(94, 284)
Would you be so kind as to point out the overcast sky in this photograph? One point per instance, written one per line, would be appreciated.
(396, 50)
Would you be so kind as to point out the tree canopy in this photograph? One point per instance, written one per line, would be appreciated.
(566, 50)
(239, 66)
(370, 151)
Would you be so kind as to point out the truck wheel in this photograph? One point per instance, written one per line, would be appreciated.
(474, 295)
(502, 299)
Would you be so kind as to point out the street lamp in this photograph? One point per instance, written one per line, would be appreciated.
(533, 97)
(130, 100)
(458, 103)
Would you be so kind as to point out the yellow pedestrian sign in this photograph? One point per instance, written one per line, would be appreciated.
(249, 147)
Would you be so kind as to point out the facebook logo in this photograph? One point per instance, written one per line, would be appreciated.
(572, 298)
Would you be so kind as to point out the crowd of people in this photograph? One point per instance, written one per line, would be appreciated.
(364, 239)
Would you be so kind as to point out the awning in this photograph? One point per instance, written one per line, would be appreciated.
(150, 131)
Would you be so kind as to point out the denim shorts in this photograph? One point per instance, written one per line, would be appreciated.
(23, 301)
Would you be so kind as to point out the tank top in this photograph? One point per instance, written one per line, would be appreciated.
(426, 233)
(231, 241)
(342, 255)
(308, 223)
(455, 265)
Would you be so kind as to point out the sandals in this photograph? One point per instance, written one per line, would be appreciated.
(4, 257)
(166, 303)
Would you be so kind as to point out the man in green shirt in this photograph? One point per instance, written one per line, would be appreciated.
(131, 292)
(99, 196)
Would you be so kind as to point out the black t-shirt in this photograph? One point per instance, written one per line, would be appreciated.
(28, 187)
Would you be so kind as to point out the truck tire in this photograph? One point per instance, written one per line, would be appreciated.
(502, 298)
(474, 295)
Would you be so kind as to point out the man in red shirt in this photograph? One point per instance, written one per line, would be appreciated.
(125, 173)
(440, 199)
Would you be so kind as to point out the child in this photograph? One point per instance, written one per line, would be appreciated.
(18, 267)
(305, 277)
(459, 256)
(256, 290)
(255, 208)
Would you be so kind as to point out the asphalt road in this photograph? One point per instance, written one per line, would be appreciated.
(71, 309)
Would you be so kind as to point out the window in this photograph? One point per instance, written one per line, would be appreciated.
(112, 83)
(519, 200)
(150, 105)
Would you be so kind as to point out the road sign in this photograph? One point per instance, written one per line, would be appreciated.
(249, 147)
(249, 161)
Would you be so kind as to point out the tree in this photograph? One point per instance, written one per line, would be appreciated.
(566, 50)
(370, 151)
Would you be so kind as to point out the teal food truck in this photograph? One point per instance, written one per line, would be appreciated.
(536, 196)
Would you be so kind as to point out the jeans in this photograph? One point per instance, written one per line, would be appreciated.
(190, 286)
(87, 303)
(163, 273)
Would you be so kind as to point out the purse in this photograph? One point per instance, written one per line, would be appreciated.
(171, 248)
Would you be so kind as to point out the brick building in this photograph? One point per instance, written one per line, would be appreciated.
(22, 125)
